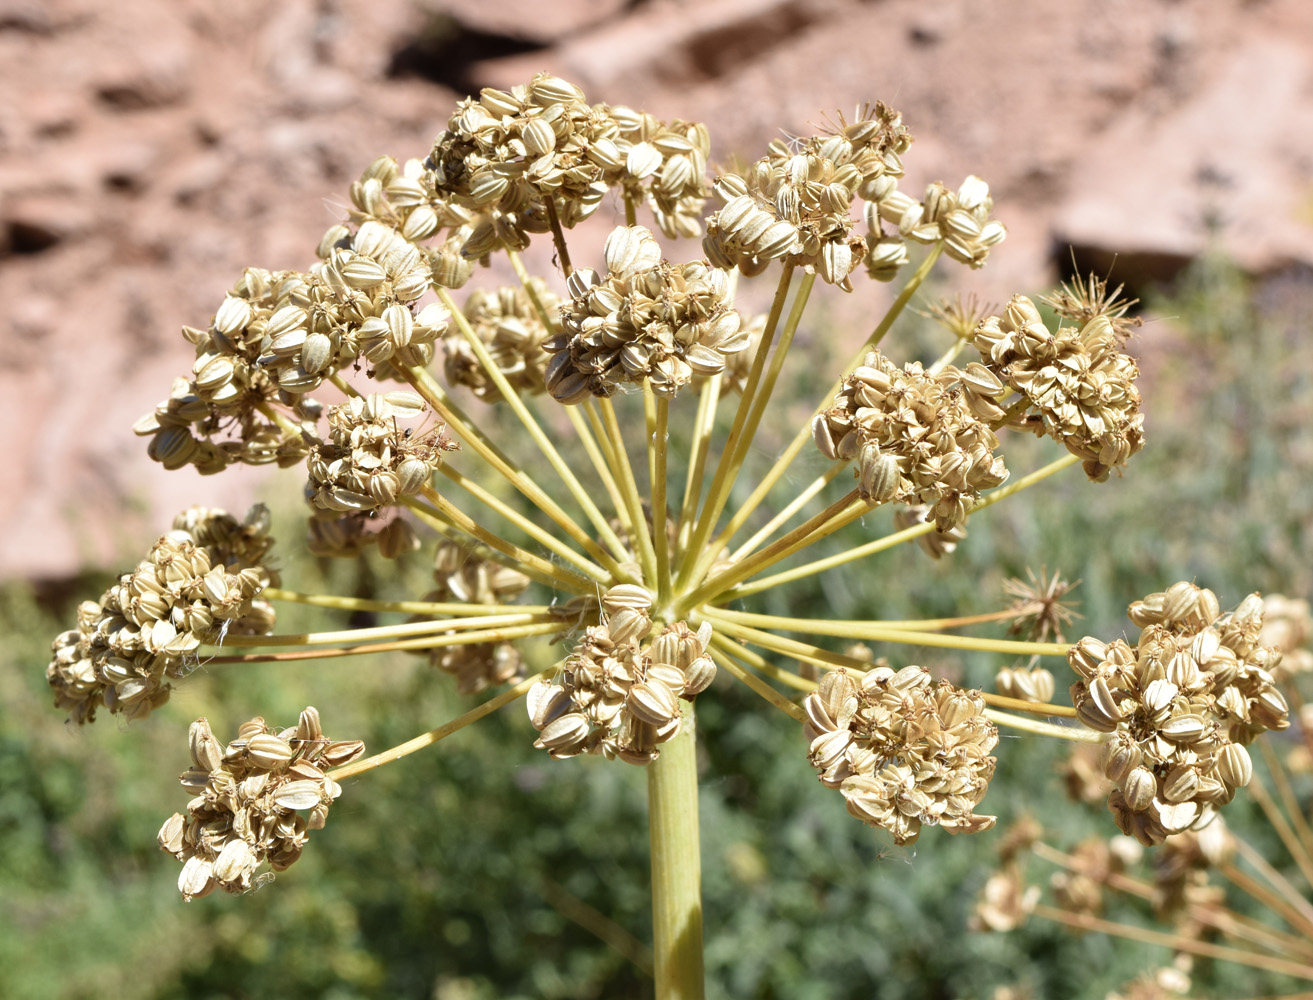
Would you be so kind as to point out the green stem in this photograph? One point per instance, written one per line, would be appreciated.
(896, 538)
(866, 631)
(402, 607)
(657, 444)
(757, 685)
(1076, 734)
(703, 424)
(540, 569)
(804, 434)
(760, 399)
(543, 538)
(672, 796)
(629, 489)
(433, 735)
(719, 488)
(385, 631)
(795, 505)
(536, 433)
(472, 637)
(456, 419)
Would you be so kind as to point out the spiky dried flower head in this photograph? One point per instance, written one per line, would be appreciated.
(1079, 386)
(463, 576)
(1038, 611)
(794, 203)
(1083, 300)
(1179, 707)
(614, 695)
(508, 323)
(644, 319)
(370, 461)
(915, 437)
(960, 316)
(904, 751)
(255, 800)
(198, 582)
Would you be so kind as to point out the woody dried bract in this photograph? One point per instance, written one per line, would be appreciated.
(577, 451)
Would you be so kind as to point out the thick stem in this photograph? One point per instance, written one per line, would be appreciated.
(672, 796)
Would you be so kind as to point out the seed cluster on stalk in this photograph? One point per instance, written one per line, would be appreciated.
(646, 319)
(904, 751)
(617, 695)
(199, 582)
(1180, 706)
(462, 576)
(255, 800)
(915, 436)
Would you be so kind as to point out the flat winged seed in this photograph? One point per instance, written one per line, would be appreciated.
(170, 836)
(1101, 695)
(546, 702)
(671, 676)
(196, 878)
(342, 752)
(363, 273)
(627, 595)
(297, 795)
(699, 675)
(829, 747)
(235, 862)
(206, 752)
(564, 733)
(1139, 788)
(643, 160)
(653, 703)
(1234, 765)
(268, 751)
(1186, 728)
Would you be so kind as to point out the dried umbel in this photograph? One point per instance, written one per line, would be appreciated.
(615, 696)
(462, 576)
(903, 750)
(665, 166)
(506, 157)
(915, 437)
(198, 583)
(511, 327)
(370, 461)
(645, 319)
(253, 801)
(1179, 707)
(1078, 385)
(794, 203)
(960, 220)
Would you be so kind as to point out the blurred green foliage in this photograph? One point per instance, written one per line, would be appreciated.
(449, 874)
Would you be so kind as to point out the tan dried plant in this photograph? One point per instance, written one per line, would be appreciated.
(633, 557)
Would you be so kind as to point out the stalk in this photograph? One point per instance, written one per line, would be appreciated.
(748, 433)
(401, 607)
(896, 538)
(719, 488)
(434, 735)
(657, 447)
(512, 398)
(543, 538)
(787, 456)
(467, 638)
(703, 424)
(456, 419)
(672, 795)
(629, 489)
(558, 237)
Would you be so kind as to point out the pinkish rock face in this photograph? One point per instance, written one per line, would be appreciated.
(150, 150)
